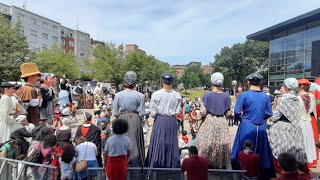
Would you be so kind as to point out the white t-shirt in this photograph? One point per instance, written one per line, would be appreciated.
(66, 111)
(182, 144)
(91, 151)
(67, 170)
(29, 129)
(118, 145)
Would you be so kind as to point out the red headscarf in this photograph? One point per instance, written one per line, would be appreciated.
(185, 139)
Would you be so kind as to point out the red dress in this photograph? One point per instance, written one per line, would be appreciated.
(116, 167)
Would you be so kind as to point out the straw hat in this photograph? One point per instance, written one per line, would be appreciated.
(194, 116)
(29, 69)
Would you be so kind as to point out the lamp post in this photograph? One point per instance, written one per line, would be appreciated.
(234, 84)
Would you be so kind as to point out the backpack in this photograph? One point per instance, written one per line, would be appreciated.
(36, 156)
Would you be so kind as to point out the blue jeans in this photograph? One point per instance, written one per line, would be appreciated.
(86, 173)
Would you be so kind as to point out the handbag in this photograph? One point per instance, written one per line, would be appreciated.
(82, 165)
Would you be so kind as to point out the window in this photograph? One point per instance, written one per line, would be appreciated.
(82, 46)
(71, 43)
(55, 38)
(55, 28)
(20, 16)
(70, 35)
(34, 21)
(63, 41)
(4, 11)
(44, 46)
(34, 32)
(33, 45)
(62, 31)
(82, 38)
(45, 25)
(82, 55)
(44, 36)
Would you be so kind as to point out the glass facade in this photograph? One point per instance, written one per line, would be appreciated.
(290, 53)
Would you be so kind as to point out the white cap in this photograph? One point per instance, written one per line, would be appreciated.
(21, 118)
(65, 121)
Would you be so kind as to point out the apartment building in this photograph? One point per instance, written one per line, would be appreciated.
(133, 48)
(67, 39)
(40, 32)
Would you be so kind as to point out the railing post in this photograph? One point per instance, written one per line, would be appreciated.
(128, 174)
(14, 171)
(154, 175)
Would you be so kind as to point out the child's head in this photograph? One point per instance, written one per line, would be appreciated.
(247, 144)
(302, 168)
(287, 163)
(184, 132)
(120, 126)
(68, 153)
(193, 150)
(49, 141)
(80, 139)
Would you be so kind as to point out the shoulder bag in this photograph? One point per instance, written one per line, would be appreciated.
(82, 165)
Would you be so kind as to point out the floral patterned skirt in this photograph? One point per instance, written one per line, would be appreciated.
(213, 142)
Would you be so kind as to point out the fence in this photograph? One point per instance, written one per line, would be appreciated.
(171, 174)
(11, 169)
(20, 170)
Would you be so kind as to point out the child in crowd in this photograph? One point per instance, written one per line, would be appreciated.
(184, 145)
(195, 166)
(180, 118)
(288, 165)
(249, 161)
(117, 151)
(73, 111)
(66, 111)
(10, 149)
(67, 162)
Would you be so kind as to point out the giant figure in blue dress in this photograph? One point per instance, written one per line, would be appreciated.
(253, 108)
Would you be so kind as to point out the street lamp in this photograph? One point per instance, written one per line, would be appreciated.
(234, 84)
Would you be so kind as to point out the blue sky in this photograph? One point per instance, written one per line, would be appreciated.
(174, 31)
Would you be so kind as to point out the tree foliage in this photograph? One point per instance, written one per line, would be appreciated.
(108, 63)
(193, 77)
(111, 63)
(236, 62)
(13, 50)
(55, 60)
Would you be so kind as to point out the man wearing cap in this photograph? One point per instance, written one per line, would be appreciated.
(47, 97)
(164, 105)
(23, 132)
(6, 111)
(31, 76)
(253, 108)
(129, 105)
(308, 114)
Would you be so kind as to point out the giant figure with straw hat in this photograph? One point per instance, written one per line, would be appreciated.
(30, 97)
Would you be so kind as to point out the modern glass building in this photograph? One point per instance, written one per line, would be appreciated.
(290, 47)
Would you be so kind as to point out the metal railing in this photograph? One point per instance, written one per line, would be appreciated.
(137, 173)
(11, 169)
(21, 170)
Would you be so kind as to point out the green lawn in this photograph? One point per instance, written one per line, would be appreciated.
(198, 93)
(193, 93)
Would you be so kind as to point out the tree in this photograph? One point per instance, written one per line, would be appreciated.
(236, 62)
(13, 50)
(193, 77)
(55, 60)
(108, 63)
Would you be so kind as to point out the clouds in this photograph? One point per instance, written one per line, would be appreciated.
(176, 31)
